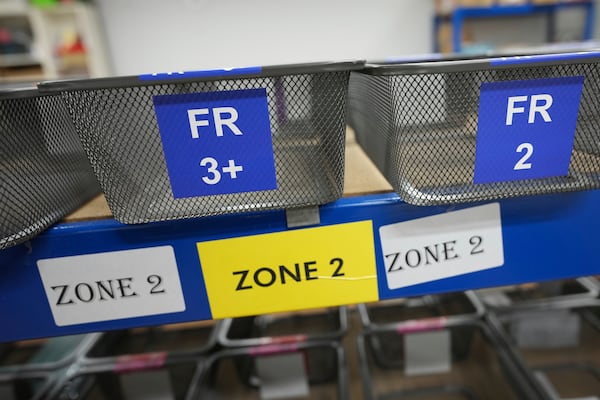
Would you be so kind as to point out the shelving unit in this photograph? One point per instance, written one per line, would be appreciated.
(17, 65)
(90, 273)
(46, 26)
(543, 238)
(459, 15)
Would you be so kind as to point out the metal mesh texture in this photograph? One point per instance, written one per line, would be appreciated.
(119, 131)
(420, 130)
(44, 173)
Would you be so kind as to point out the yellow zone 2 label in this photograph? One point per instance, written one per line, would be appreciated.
(292, 270)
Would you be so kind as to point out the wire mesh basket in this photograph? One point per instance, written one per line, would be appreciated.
(460, 130)
(182, 145)
(44, 173)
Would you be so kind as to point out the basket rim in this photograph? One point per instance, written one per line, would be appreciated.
(436, 63)
(25, 92)
(198, 76)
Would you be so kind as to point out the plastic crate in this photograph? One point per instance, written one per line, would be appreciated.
(325, 380)
(561, 357)
(326, 324)
(44, 173)
(443, 132)
(162, 150)
(479, 368)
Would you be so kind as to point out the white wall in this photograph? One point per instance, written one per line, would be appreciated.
(168, 35)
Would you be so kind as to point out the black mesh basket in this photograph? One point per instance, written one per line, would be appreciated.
(119, 128)
(419, 122)
(44, 173)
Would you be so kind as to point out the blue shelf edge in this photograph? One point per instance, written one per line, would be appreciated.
(544, 238)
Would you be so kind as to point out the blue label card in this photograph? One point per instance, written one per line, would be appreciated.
(217, 142)
(526, 128)
(209, 73)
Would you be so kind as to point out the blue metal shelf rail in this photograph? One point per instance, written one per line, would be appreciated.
(458, 16)
(544, 237)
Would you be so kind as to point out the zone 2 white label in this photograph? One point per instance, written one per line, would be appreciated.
(112, 285)
(442, 246)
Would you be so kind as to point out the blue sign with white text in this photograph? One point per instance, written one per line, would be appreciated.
(526, 128)
(217, 142)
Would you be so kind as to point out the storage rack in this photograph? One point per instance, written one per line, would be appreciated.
(459, 15)
(45, 24)
(544, 238)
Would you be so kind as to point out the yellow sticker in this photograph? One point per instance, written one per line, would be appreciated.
(292, 270)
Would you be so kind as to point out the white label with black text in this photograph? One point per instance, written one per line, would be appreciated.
(442, 246)
(112, 285)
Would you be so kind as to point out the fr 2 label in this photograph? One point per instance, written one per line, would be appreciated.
(526, 129)
(442, 246)
(112, 285)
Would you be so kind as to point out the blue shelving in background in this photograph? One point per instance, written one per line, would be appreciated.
(459, 15)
